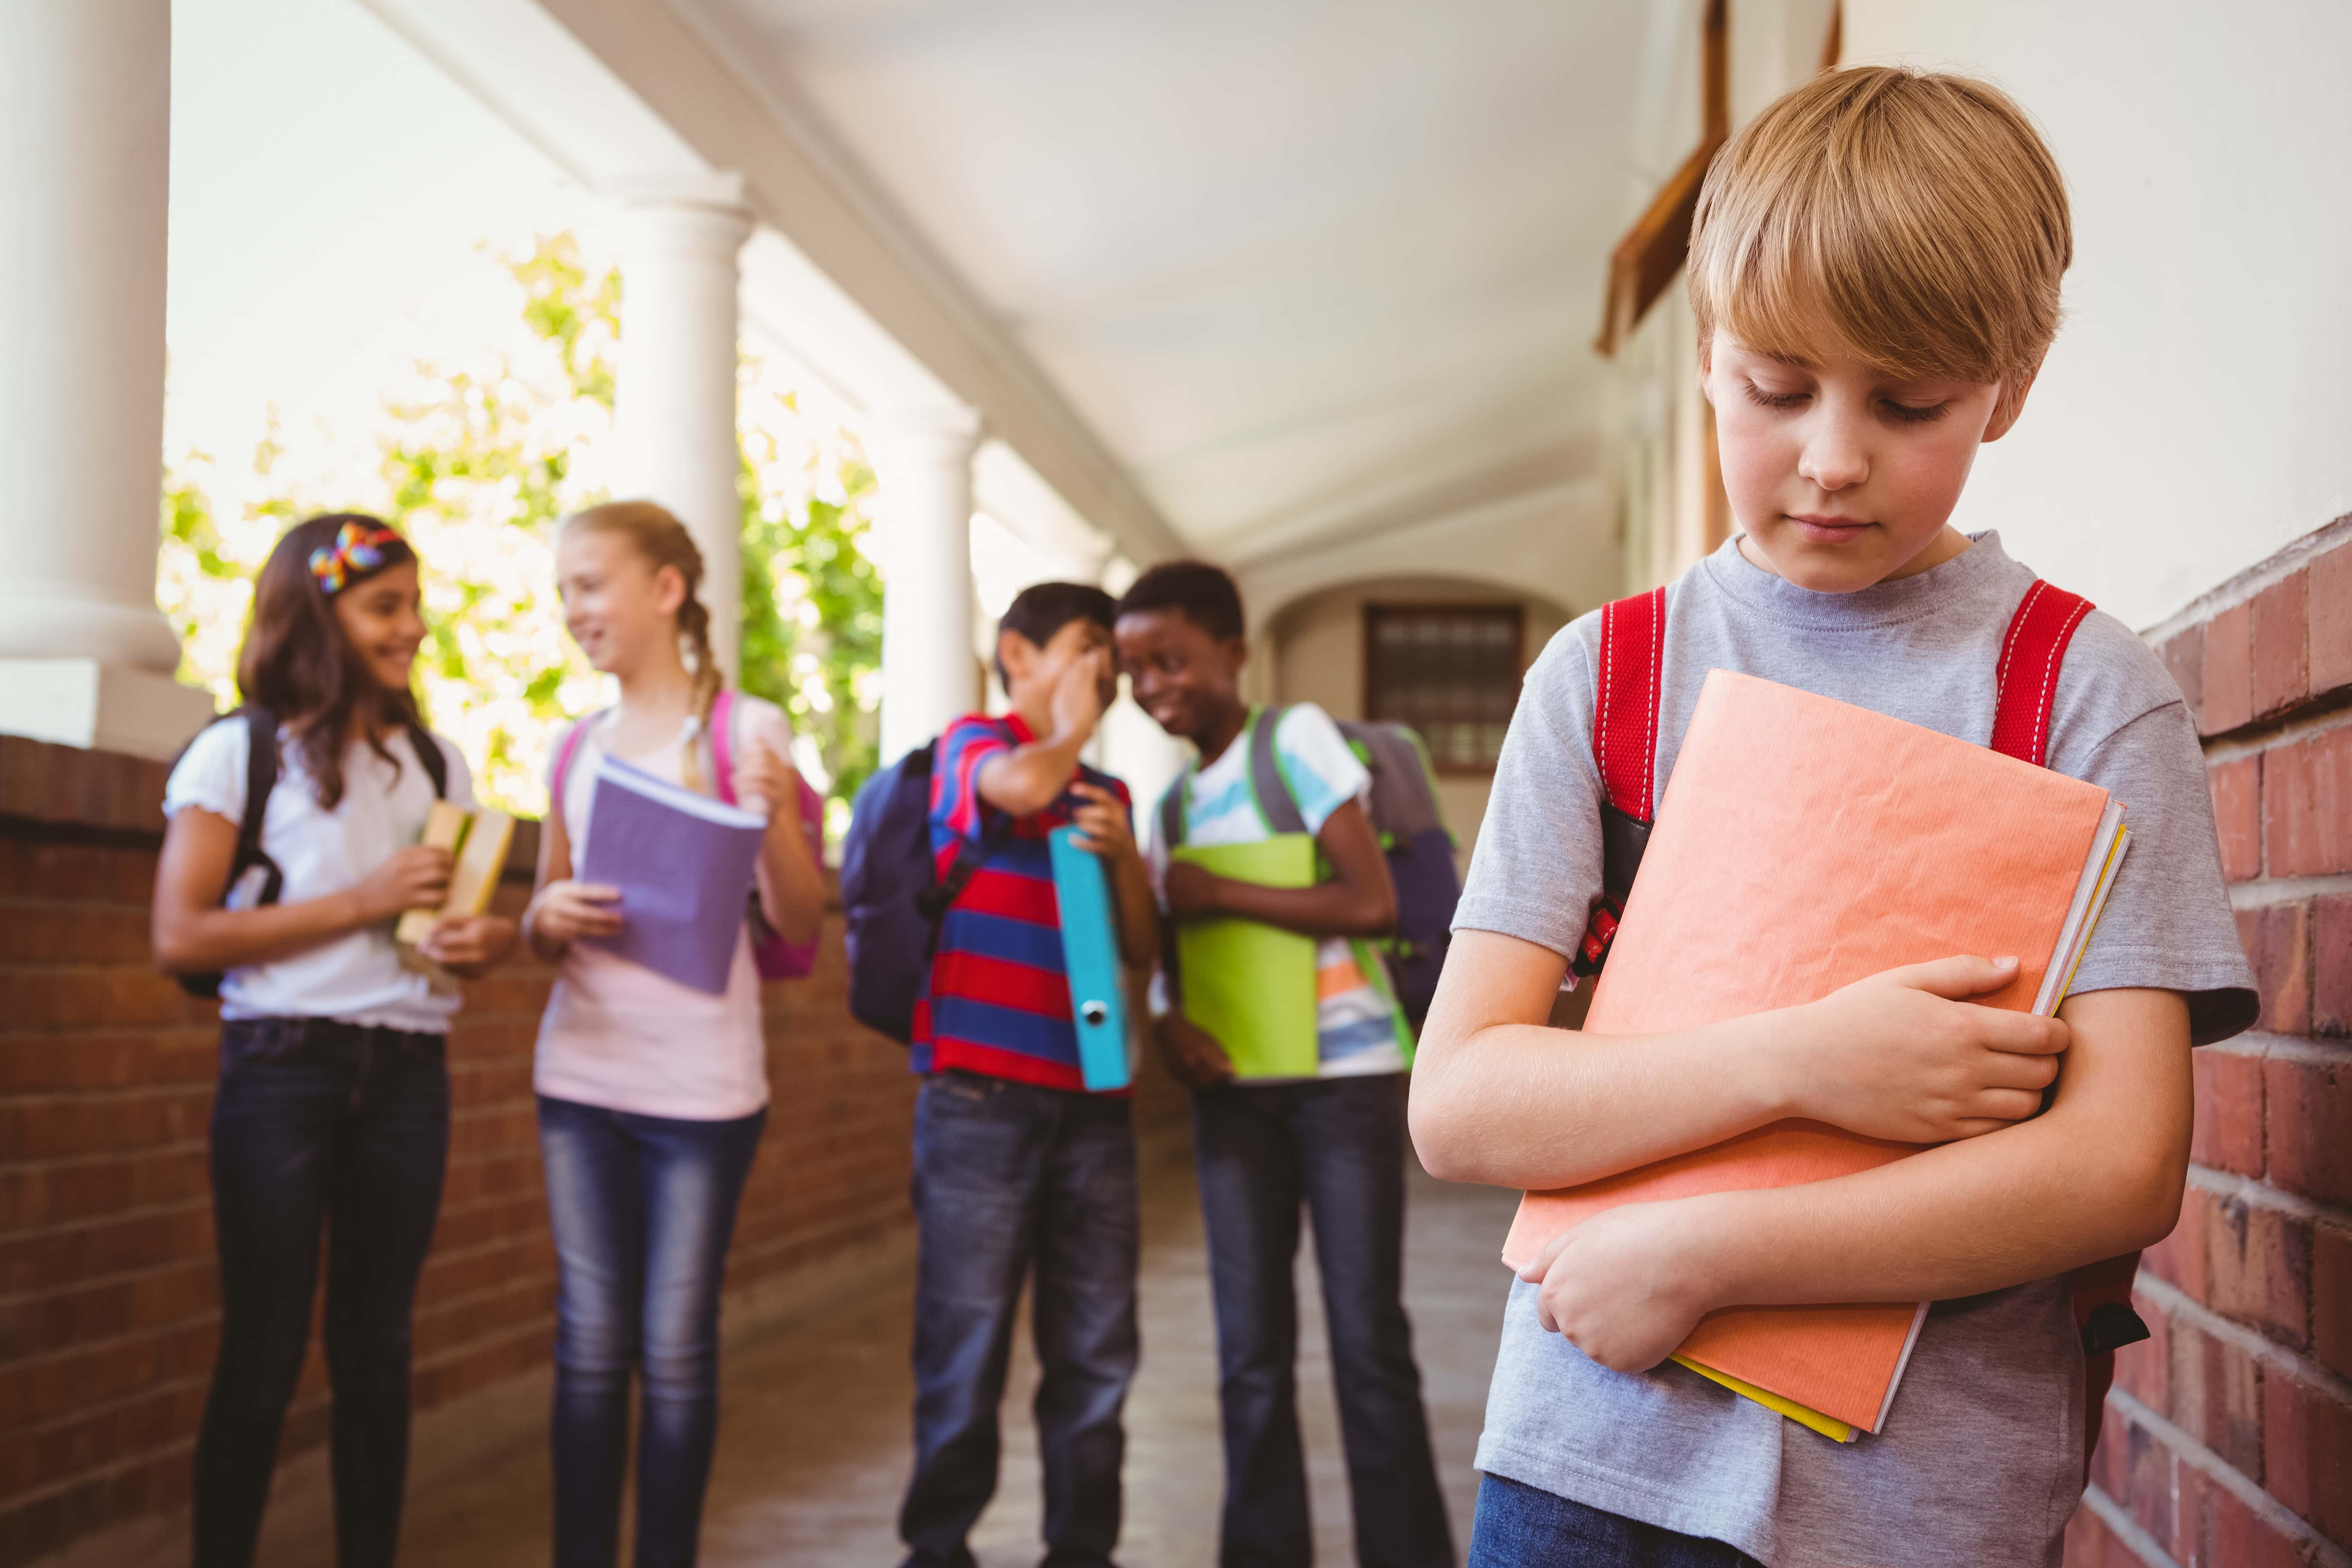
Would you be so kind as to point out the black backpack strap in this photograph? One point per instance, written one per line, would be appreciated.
(1275, 801)
(260, 779)
(1171, 812)
(429, 758)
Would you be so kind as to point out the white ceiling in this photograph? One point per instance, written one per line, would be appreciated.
(1305, 268)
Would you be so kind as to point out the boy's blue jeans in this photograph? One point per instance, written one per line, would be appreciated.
(1013, 1179)
(643, 1208)
(319, 1127)
(1521, 1526)
(1337, 1146)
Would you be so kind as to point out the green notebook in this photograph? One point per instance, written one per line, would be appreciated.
(1249, 984)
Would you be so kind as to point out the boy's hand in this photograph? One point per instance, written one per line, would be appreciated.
(1900, 1056)
(1623, 1287)
(1192, 1053)
(1077, 704)
(1191, 889)
(1102, 823)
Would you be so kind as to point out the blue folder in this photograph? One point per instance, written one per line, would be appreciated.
(1090, 953)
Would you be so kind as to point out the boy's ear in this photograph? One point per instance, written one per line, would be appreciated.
(2011, 406)
(1015, 655)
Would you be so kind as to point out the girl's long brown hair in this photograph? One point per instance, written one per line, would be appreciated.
(297, 662)
(661, 541)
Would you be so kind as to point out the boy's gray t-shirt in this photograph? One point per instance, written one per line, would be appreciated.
(1982, 1461)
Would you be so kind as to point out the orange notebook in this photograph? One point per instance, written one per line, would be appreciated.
(1803, 844)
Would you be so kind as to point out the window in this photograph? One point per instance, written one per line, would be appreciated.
(1450, 672)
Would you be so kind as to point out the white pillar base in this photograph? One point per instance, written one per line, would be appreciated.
(100, 707)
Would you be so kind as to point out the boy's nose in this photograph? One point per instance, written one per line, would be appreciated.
(1833, 460)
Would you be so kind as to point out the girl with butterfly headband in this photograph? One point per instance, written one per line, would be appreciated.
(333, 1112)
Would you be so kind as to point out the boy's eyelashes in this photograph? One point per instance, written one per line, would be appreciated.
(1901, 412)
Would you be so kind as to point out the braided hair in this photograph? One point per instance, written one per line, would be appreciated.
(657, 535)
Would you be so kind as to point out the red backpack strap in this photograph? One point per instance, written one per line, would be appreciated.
(1627, 684)
(2027, 680)
(1625, 701)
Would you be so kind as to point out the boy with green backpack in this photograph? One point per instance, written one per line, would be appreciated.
(1328, 1133)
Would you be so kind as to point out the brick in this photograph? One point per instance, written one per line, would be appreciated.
(2259, 1264)
(2091, 1544)
(2144, 1370)
(2229, 1535)
(2238, 815)
(2307, 1452)
(2279, 667)
(2184, 659)
(2228, 692)
(2331, 1296)
(2308, 1108)
(2147, 1483)
(2228, 1135)
(2307, 806)
(2331, 966)
(2277, 940)
(2216, 1396)
(2328, 615)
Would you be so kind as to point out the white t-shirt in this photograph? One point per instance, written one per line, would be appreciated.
(1355, 1029)
(357, 978)
(619, 1036)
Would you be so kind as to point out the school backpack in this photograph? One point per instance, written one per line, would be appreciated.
(260, 779)
(1627, 685)
(892, 896)
(1412, 834)
(771, 956)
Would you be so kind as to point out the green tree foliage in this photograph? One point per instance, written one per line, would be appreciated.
(475, 460)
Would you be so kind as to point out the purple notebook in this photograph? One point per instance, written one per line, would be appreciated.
(683, 863)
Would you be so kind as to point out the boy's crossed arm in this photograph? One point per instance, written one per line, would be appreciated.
(1497, 1098)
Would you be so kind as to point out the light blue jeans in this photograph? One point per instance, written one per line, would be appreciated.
(643, 1208)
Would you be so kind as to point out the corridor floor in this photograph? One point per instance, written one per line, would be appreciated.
(813, 1448)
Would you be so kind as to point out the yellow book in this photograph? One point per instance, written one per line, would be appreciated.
(479, 839)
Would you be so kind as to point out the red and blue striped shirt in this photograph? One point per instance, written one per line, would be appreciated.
(999, 997)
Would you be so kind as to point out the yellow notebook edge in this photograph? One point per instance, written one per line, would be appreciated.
(1829, 1426)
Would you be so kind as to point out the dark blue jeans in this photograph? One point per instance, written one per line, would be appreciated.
(1010, 1181)
(643, 1208)
(1521, 1526)
(318, 1127)
(1337, 1146)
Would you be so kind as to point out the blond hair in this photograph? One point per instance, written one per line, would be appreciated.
(1919, 218)
(658, 536)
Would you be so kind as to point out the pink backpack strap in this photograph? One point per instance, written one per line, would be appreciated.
(565, 750)
(722, 744)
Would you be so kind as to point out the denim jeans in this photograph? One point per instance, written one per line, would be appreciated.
(1337, 1146)
(318, 1127)
(1521, 1526)
(643, 1208)
(1011, 1180)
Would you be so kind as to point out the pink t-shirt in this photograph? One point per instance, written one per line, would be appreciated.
(622, 1037)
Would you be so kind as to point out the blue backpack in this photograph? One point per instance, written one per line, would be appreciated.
(892, 897)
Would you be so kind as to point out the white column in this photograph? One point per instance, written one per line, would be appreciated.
(922, 468)
(674, 406)
(86, 658)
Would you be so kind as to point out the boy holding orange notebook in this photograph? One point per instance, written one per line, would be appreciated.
(1874, 266)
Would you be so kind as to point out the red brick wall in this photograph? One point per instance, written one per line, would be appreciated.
(107, 1292)
(2229, 1437)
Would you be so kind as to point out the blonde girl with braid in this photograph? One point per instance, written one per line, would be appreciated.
(652, 1094)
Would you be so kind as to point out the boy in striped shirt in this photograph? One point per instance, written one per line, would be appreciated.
(1017, 1168)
